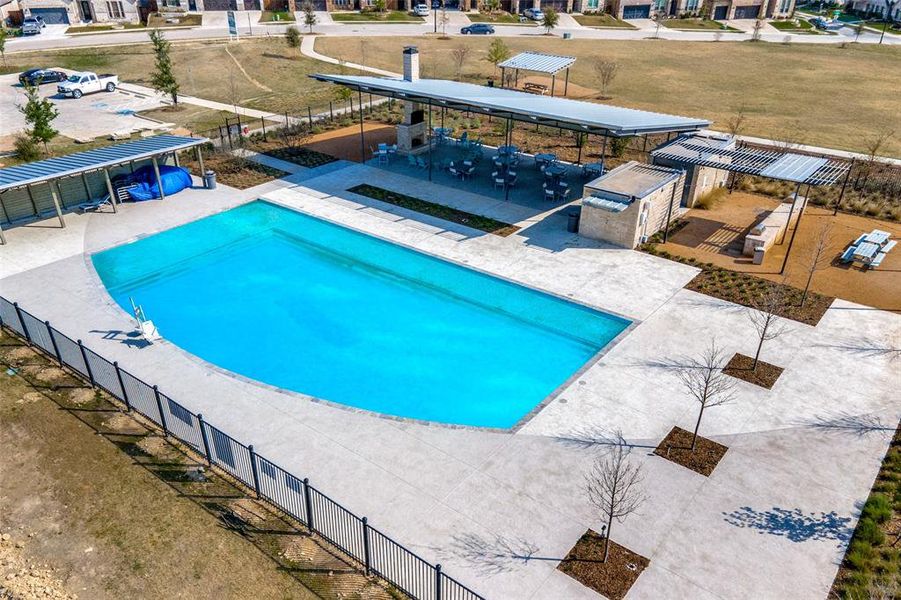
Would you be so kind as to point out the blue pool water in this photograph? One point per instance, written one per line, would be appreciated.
(302, 304)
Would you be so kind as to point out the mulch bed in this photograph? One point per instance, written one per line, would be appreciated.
(676, 447)
(436, 210)
(613, 578)
(741, 367)
(236, 172)
(302, 156)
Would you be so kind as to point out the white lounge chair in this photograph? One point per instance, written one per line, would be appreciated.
(95, 204)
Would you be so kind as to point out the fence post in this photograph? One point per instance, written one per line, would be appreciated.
(87, 367)
(331, 111)
(286, 119)
(263, 124)
(437, 582)
(308, 498)
(159, 407)
(22, 321)
(59, 357)
(253, 469)
(206, 443)
(122, 385)
(367, 561)
(310, 116)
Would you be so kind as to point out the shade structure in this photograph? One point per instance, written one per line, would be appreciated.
(93, 160)
(538, 62)
(563, 113)
(749, 160)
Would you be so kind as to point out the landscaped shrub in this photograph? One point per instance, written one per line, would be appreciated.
(26, 148)
(878, 508)
(709, 199)
(868, 531)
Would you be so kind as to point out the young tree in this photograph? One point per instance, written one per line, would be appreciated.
(39, 115)
(820, 256)
(460, 54)
(498, 52)
(309, 15)
(704, 380)
(659, 18)
(758, 30)
(858, 29)
(491, 6)
(443, 20)
(736, 123)
(614, 486)
(3, 36)
(606, 71)
(380, 6)
(292, 37)
(163, 79)
(549, 19)
(764, 316)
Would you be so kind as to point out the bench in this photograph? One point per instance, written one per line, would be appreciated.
(535, 88)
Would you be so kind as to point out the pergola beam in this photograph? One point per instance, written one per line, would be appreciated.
(54, 192)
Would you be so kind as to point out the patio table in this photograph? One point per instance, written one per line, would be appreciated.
(865, 251)
(545, 158)
(506, 150)
(593, 169)
(877, 236)
(554, 170)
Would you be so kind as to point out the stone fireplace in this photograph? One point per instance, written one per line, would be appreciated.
(412, 132)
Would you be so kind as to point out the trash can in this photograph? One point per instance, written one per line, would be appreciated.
(491, 82)
(567, 36)
(759, 253)
(572, 224)
(209, 180)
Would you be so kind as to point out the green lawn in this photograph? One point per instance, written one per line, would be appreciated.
(157, 20)
(601, 20)
(103, 28)
(501, 18)
(697, 24)
(391, 16)
(276, 16)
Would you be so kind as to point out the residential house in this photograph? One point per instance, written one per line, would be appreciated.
(874, 8)
(719, 10)
(10, 12)
(61, 12)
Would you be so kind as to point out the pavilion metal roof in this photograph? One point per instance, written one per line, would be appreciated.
(93, 160)
(787, 166)
(564, 113)
(537, 61)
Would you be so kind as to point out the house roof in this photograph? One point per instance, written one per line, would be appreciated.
(633, 180)
(564, 113)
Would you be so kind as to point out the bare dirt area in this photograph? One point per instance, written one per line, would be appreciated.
(344, 143)
(716, 236)
(95, 505)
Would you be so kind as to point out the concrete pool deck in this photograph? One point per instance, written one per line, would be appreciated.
(497, 509)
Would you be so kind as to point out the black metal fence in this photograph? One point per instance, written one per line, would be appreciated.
(376, 553)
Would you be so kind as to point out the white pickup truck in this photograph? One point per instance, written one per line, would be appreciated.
(79, 84)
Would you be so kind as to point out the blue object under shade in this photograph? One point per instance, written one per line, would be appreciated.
(174, 179)
(306, 305)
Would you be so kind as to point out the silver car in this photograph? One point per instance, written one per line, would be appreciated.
(32, 25)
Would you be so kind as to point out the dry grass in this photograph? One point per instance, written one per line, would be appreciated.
(778, 86)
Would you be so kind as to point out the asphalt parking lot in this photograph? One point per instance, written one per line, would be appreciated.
(91, 116)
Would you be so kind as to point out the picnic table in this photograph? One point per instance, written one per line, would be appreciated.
(878, 237)
(554, 170)
(866, 251)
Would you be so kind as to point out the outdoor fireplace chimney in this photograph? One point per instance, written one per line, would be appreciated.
(411, 63)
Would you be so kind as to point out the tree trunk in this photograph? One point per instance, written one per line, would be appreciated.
(607, 536)
(759, 348)
(694, 440)
(806, 289)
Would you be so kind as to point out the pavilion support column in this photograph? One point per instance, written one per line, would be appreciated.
(430, 140)
(507, 171)
(503, 77)
(794, 231)
(54, 192)
(669, 213)
(175, 159)
(566, 82)
(34, 204)
(362, 134)
(200, 160)
(2, 237)
(841, 195)
(109, 190)
(581, 141)
(553, 83)
(159, 180)
(87, 188)
(604, 155)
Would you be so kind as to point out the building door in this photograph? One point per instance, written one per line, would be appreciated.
(192, 5)
(720, 13)
(747, 12)
(558, 5)
(86, 14)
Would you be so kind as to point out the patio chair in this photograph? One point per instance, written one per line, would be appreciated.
(511, 179)
(549, 193)
(421, 163)
(411, 160)
(876, 261)
(464, 139)
(498, 182)
(94, 204)
(848, 255)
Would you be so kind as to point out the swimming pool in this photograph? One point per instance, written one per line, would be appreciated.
(306, 305)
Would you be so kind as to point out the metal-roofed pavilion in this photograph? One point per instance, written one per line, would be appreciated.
(538, 62)
(52, 171)
(562, 113)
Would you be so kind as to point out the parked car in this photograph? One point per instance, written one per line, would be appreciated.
(32, 25)
(421, 10)
(534, 14)
(41, 76)
(79, 84)
(477, 29)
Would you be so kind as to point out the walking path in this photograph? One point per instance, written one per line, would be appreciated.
(307, 48)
